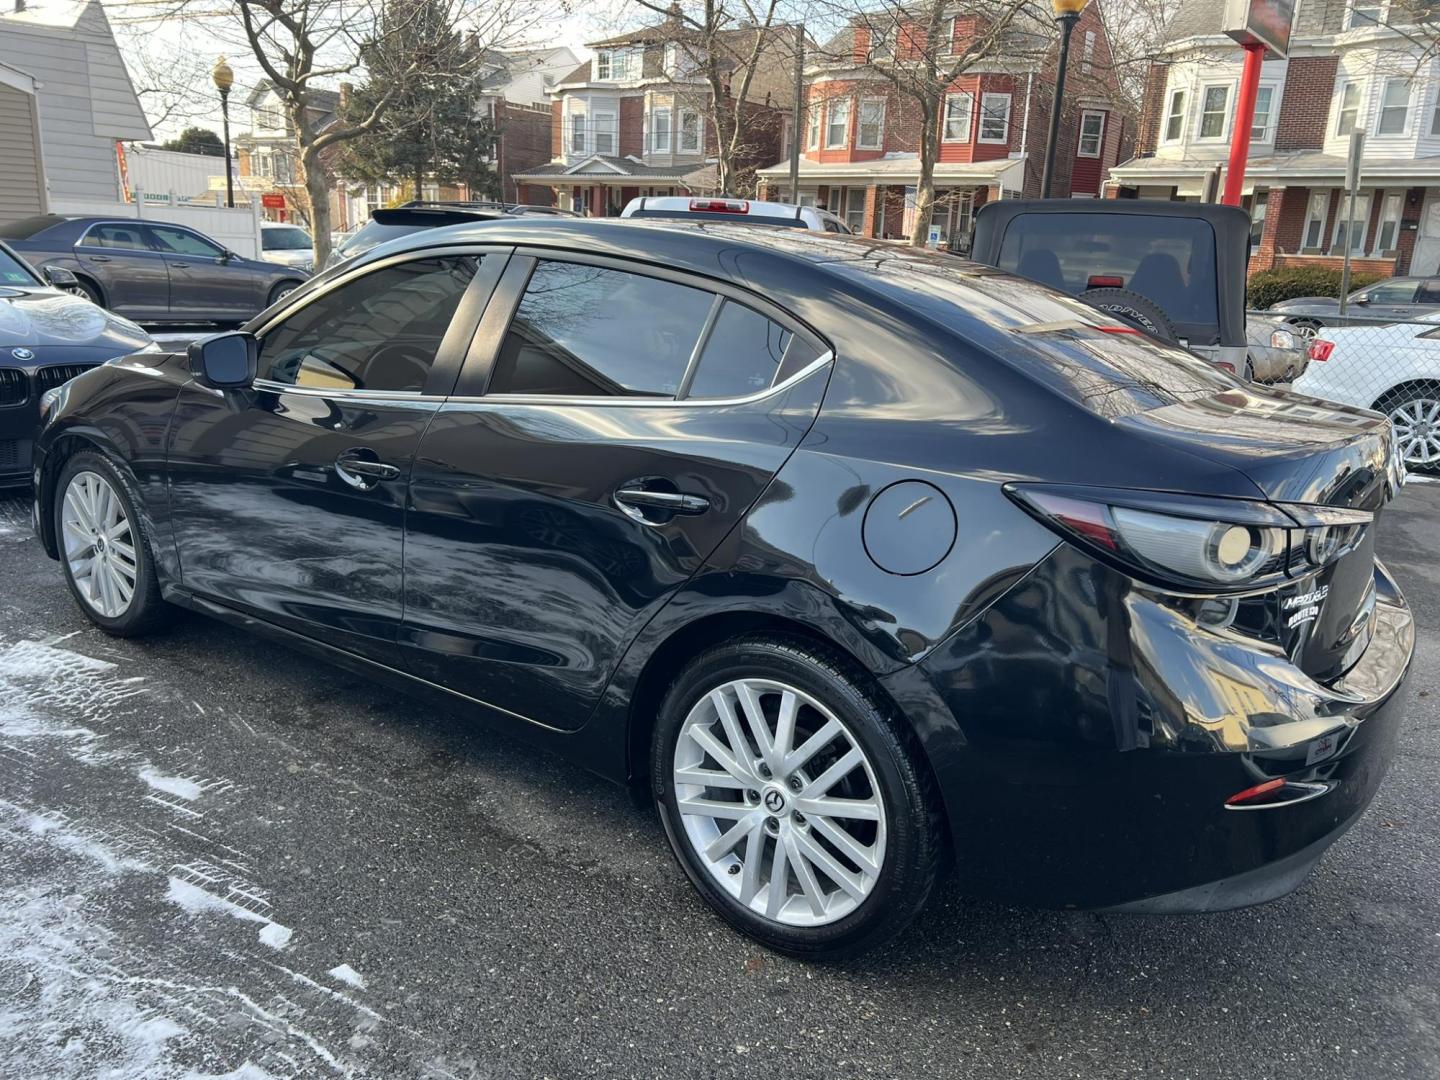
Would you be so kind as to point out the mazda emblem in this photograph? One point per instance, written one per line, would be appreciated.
(774, 801)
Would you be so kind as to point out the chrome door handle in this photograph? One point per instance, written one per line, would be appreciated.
(363, 474)
(635, 501)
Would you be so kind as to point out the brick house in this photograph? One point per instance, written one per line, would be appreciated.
(635, 120)
(1346, 72)
(859, 149)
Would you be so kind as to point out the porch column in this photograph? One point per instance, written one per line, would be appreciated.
(874, 211)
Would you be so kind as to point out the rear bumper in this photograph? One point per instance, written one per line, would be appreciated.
(1098, 735)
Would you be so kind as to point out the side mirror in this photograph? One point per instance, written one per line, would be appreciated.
(59, 277)
(224, 361)
(1363, 298)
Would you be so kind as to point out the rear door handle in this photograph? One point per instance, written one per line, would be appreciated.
(363, 473)
(635, 501)
(98, 258)
(180, 266)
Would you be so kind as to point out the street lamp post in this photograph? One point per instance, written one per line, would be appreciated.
(1067, 14)
(224, 77)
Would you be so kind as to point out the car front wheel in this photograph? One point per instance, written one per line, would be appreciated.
(793, 800)
(1414, 411)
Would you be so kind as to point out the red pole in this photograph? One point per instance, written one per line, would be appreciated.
(1244, 121)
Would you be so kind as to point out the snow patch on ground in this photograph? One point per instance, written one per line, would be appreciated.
(346, 974)
(57, 831)
(197, 901)
(171, 785)
(275, 935)
(244, 1072)
(36, 660)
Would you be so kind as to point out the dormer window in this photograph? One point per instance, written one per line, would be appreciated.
(614, 65)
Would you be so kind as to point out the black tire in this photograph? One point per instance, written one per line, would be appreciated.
(146, 611)
(1137, 310)
(89, 290)
(1398, 405)
(1248, 374)
(280, 291)
(914, 838)
(1305, 329)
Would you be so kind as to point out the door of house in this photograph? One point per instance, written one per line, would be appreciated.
(1425, 262)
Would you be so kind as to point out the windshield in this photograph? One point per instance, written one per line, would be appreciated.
(293, 238)
(13, 271)
(1168, 260)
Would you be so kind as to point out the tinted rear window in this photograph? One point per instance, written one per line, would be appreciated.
(1168, 260)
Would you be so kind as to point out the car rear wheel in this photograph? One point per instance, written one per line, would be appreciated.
(88, 290)
(103, 551)
(793, 801)
(279, 292)
(1414, 411)
(1304, 329)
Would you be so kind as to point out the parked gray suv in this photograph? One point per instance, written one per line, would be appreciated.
(152, 271)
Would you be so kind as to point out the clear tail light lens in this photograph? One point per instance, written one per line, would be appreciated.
(1196, 544)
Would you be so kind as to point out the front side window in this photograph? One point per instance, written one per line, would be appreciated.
(1214, 111)
(660, 130)
(1175, 117)
(871, 133)
(378, 332)
(1391, 292)
(1394, 108)
(116, 236)
(690, 132)
(958, 109)
(174, 241)
(1347, 116)
(589, 331)
(995, 118)
(1260, 129)
(837, 126)
(1092, 132)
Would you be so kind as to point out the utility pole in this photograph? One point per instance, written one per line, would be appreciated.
(1352, 183)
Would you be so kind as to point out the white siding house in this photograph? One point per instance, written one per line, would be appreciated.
(82, 93)
(22, 176)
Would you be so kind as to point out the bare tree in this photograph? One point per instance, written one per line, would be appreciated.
(920, 47)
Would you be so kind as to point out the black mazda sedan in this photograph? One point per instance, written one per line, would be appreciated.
(859, 561)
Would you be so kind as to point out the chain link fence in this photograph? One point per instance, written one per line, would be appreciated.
(1392, 367)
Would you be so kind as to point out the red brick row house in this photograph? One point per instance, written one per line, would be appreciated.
(860, 143)
(1347, 71)
(635, 120)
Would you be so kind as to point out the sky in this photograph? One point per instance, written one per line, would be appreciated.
(171, 45)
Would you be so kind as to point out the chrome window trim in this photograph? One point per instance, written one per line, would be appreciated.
(397, 397)
(822, 361)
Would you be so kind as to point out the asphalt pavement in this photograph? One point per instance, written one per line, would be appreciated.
(219, 858)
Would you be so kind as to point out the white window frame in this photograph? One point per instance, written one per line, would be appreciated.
(1087, 53)
(604, 65)
(1362, 217)
(1435, 117)
(950, 43)
(611, 136)
(1224, 112)
(1175, 115)
(987, 114)
(857, 227)
(1392, 209)
(655, 145)
(813, 122)
(1316, 210)
(699, 132)
(879, 123)
(1098, 136)
(1259, 210)
(1366, 24)
(843, 104)
(1357, 122)
(1265, 129)
(578, 132)
(1409, 87)
(965, 119)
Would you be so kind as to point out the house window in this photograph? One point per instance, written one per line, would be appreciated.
(855, 209)
(603, 64)
(577, 133)
(1213, 111)
(871, 132)
(958, 109)
(995, 118)
(1394, 108)
(1258, 208)
(1092, 131)
(1087, 55)
(1364, 14)
(660, 131)
(605, 133)
(1175, 116)
(812, 133)
(1260, 130)
(1315, 220)
(837, 124)
(690, 132)
(1347, 116)
(1352, 232)
(1385, 239)
(1435, 118)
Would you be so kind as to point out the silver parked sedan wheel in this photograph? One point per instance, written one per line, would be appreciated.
(1416, 419)
(99, 544)
(779, 802)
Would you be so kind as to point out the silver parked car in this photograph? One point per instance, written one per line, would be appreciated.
(1395, 300)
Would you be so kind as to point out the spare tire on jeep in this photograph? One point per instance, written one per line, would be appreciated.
(1134, 309)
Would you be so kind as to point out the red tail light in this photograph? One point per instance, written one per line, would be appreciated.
(720, 206)
(1321, 350)
(1105, 281)
(1226, 365)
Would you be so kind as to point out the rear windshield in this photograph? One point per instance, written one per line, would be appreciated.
(289, 239)
(1169, 260)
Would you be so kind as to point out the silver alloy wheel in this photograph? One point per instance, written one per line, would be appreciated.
(99, 544)
(1417, 430)
(779, 802)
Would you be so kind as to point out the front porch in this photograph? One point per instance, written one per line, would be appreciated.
(600, 186)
